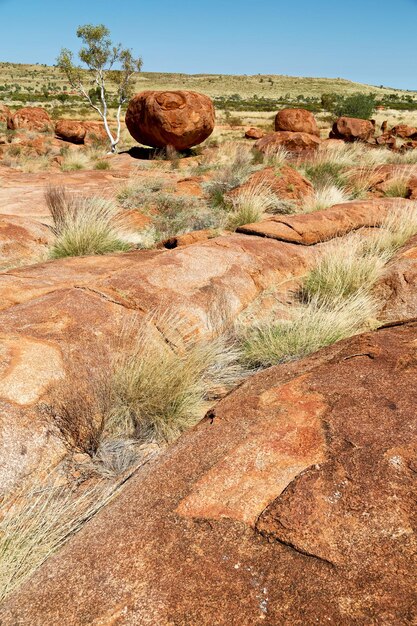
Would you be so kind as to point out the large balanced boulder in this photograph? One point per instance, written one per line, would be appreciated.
(30, 118)
(180, 119)
(293, 142)
(293, 503)
(297, 121)
(352, 129)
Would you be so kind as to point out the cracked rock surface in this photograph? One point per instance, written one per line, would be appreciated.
(293, 504)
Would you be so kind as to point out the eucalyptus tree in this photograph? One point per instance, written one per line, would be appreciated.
(103, 63)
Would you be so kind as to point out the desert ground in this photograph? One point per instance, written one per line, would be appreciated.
(208, 356)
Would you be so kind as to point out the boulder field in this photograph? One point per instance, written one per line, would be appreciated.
(293, 503)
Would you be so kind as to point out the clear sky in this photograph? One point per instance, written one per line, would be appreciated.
(371, 41)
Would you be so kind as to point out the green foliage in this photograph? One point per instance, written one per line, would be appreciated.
(360, 105)
(104, 62)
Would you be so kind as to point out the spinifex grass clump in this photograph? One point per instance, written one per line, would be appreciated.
(235, 164)
(37, 520)
(355, 264)
(315, 325)
(323, 198)
(345, 268)
(150, 387)
(249, 205)
(83, 226)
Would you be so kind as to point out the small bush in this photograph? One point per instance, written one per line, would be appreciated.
(358, 105)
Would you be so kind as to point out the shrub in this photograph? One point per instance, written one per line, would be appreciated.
(358, 105)
(83, 226)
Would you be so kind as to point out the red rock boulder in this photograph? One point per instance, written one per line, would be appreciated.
(254, 133)
(78, 132)
(352, 129)
(297, 121)
(30, 118)
(95, 131)
(70, 130)
(180, 119)
(293, 142)
(404, 131)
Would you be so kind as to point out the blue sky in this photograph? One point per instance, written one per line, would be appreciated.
(372, 41)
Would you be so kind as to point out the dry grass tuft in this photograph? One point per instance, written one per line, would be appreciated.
(74, 161)
(151, 387)
(324, 198)
(315, 325)
(84, 226)
(345, 269)
(250, 204)
(36, 521)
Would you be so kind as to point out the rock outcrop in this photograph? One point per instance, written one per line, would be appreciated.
(297, 121)
(326, 224)
(404, 131)
(79, 305)
(22, 241)
(30, 118)
(294, 503)
(180, 119)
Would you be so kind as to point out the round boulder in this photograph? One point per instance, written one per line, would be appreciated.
(70, 130)
(297, 121)
(180, 119)
(254, 133)
(30, 118)
(352, 129)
